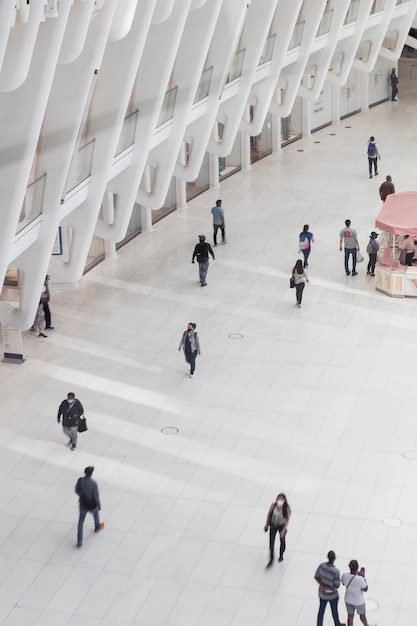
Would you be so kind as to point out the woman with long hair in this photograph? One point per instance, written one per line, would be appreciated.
(277, 521)
(306, 239)
(300, 278)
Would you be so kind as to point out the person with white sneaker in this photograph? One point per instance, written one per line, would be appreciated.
(218, 222)
(190, 343)
(71, 410)
(356, 585)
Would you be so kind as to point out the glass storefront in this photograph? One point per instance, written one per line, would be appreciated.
(292, 126)
(261, 145)
(201, 183)
(233, 162)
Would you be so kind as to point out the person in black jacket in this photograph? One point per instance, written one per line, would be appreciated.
(202, 251)
(87, 490)
(71, 410)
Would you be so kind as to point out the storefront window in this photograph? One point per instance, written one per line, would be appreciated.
(261, 145)
(232, 163)
(292, 126)
(201, 183)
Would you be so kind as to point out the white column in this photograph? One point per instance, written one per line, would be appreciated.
(109, 249)
(245, 151)
(276, 133)
(181, 193)
(335, 103)
(146, 219)
(364, 87)
(306, 104)
(214, 171)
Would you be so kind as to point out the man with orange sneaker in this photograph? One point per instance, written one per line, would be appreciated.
(87, 490)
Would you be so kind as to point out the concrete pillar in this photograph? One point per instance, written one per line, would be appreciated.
(146, 219)
(276, 133)
(245, 151)
(213, 171)
(109, 249)
(306, 104)
(181, 193)
(335, 104)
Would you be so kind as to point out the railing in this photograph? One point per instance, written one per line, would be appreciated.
(168, 106)
(127, 136)
(268, 50)
(203, 88)
(33, 203)
(324, 26)
(80, 168)
(236, 66)
(296, 36)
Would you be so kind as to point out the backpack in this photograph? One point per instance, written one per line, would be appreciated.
(304, 242)
(369, 248)
(371, 149)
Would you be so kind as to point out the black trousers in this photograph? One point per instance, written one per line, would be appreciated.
(273, 530)
(47, 314)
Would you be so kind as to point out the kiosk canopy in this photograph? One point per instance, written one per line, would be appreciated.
(398, 214)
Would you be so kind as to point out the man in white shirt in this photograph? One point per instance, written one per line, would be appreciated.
(356, 585)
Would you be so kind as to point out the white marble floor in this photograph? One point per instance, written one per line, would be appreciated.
(319, 403)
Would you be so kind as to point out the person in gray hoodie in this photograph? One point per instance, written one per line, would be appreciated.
(190, 343)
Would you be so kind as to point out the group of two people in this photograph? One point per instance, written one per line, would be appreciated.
(327, 575)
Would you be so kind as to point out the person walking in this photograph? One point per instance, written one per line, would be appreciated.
(218, 222)
(89, 500)
(356, 585)
(394, 85)
(372, 249)
(328, 577)
(202, 251)
(45, 298)
(190, 343)
(386, 188)
(71, 410)
(300, 278)
(373, 156)
(306, 239)
(349, 237)
(277, 521)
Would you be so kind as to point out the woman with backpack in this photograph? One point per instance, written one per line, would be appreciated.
(373, 156)
(306, 239)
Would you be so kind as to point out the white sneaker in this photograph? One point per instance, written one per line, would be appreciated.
(191, 375)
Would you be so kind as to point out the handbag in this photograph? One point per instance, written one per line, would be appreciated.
(82, 425)
(292, 282)
(359, 257)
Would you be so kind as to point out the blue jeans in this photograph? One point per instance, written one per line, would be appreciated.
(203, 268)
(190, 357)
(348, 252)
(322, 608)
(83, 513)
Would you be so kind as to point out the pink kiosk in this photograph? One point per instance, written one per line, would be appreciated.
(397, 217)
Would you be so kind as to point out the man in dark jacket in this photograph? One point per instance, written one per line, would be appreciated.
(202, 251)
(71, 410)
(87, 490)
